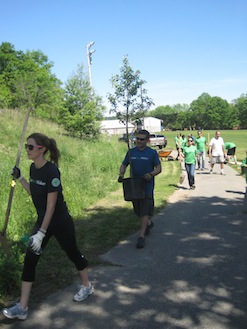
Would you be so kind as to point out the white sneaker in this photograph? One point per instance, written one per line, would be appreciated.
(222, 172)
(16, 312)
(83, 293)
(211, 171)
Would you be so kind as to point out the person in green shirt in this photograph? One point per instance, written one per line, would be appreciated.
(178, 142)
(189, 154)
(184, 142)
(201, 144)
(231, 151)
(244, 171)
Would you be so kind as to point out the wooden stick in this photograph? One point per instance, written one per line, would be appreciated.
(11, 194)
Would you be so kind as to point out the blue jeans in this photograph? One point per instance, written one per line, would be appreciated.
(190, 169)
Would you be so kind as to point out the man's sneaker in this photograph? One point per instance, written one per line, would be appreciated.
(222, 172)
(149, 227)
(140, 242)
(16, 312)
(83, 293)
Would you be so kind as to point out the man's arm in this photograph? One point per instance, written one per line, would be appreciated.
(121, 173)
(122, 169)
(157, 170)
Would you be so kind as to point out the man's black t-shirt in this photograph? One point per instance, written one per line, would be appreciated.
(43, 181)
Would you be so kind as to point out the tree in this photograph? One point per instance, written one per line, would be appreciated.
(170, 114)
(36, 87)
(241, 110)
(211, 113)
(83, 111)
(129, 100)
(9, 66)
(27, 81)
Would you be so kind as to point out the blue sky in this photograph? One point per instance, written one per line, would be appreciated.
(182, 47)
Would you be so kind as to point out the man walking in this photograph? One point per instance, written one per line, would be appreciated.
(217, 152)
(201, 143)
(144, 163)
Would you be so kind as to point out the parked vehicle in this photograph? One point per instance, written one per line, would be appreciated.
(157, 140)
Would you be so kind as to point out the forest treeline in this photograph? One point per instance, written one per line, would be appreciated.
(26, 80)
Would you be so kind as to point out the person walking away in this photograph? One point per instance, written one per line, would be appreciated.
(217, 152)
(189, 154)
(178, 143)
(145, 163)
(183, 142)
(230, 151)
(201, 144)
(54, 219)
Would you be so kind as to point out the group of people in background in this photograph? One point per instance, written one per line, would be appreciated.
(193, 151)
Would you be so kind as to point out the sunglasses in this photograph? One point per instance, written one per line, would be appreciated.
(31, 147)
(190, 140)
(140, 139)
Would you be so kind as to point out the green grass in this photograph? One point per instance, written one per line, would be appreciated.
(95, 199)
(89, 175)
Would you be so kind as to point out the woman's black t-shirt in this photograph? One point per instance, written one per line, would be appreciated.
(43, 181)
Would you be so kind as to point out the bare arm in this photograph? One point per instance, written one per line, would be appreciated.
(122, 170)
(25, 184)
(157, 170)
(210, 151)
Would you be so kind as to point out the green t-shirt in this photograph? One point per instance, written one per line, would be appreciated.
(190, 154)
(229, 145)
(184, 142)
(178, 141)
(201, 143)
(244, 162)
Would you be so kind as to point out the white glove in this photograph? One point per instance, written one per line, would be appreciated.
(36, 240)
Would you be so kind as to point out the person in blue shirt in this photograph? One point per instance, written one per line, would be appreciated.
(145, 163)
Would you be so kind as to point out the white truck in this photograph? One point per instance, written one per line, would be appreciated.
(157, 140)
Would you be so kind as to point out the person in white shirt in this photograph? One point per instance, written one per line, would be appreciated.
(216, 152)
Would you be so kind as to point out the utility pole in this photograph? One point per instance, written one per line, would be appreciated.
(89, 63)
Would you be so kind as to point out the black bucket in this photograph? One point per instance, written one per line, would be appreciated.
(133, 188)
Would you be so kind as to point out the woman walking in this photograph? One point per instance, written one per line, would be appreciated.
(189, 154)
(53, 219)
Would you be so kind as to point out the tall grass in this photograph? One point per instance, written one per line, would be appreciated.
(89, 171)
(88, 168)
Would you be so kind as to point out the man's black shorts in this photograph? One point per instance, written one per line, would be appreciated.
(144, 207)
(231, 151)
